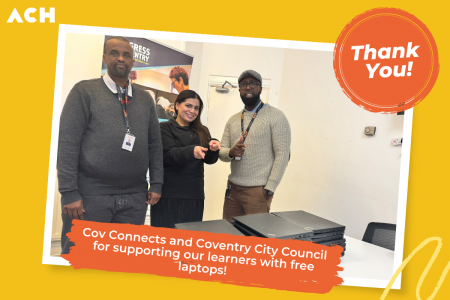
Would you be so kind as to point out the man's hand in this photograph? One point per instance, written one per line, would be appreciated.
(153, 198)
(238, 149)
(214, 145)
(199, 152)
(74, 210)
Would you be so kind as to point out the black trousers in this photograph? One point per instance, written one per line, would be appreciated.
(168, 212)
(120, 208)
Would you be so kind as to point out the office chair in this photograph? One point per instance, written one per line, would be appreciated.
(381, 234)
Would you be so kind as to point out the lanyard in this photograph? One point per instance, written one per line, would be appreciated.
(251, 122)
(124, 106)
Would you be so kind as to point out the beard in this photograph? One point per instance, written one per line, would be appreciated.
(122, 72)
(250, 101)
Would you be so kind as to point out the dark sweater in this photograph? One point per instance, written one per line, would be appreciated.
(91, 160)
(183, 173)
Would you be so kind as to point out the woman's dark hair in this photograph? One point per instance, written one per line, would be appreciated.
(195, 125)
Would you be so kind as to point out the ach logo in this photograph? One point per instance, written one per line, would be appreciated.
(15, 16)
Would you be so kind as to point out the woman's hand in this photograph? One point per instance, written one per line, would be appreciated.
(199, 152)
(214, 145)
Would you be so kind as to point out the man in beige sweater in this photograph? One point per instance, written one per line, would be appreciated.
(256, 141)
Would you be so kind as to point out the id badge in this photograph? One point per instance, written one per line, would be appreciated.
(128, 142)
(228, 191)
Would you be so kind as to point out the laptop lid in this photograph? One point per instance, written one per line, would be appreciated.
(270, 226)
(215, 226)
(310, 221)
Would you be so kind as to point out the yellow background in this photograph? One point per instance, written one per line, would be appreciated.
(28, 60)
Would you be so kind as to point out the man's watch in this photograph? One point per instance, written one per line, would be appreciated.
(269, 193)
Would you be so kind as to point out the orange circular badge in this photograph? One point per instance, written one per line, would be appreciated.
(386, 60)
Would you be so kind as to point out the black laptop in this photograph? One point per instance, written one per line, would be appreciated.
(244, 230)
(216, 226)
(270, 226)
(328, 236)
(340, 242)
(311, 222)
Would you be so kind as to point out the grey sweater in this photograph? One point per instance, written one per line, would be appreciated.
(91, 160)
(268, 148)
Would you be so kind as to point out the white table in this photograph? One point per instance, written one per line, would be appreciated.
(366, 264)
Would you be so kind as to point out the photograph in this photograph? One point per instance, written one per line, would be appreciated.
(327, 157)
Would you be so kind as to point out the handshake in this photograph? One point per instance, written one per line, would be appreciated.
(236, 152)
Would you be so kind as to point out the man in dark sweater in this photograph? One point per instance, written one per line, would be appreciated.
(109, 136)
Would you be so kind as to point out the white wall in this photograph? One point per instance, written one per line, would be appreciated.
(232, 60)
(179, 45)
(195, 49)
(335, 171)
(82, 60)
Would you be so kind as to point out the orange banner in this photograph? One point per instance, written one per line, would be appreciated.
(247, 261)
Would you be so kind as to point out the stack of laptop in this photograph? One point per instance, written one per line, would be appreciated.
(298, 225)
(271, 226)
(325, 231)
(216, 226)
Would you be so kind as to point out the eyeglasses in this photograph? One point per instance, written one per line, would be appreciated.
(252, 84)
(173, 82)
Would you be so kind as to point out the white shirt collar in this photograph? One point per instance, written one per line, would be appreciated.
(112, 85)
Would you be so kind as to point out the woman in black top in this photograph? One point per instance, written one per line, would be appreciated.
(187, 144)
